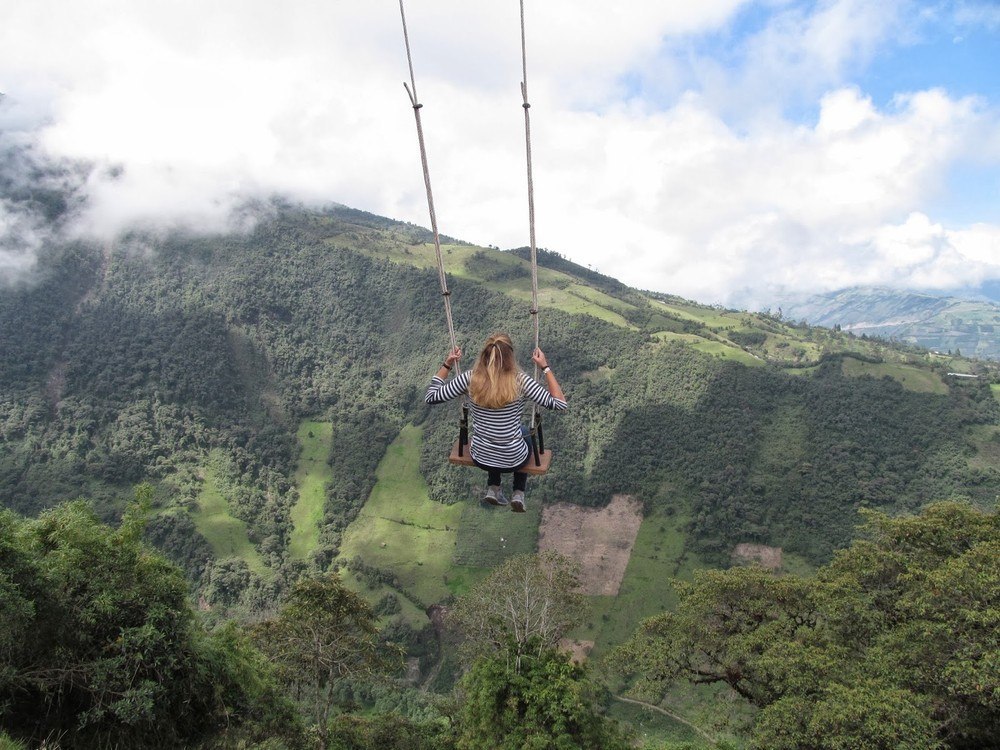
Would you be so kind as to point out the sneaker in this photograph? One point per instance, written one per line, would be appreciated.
(494, 496)
(517, 502)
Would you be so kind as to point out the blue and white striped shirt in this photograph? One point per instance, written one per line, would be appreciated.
(496, 436)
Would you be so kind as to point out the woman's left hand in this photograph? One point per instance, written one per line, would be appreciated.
(453, 356)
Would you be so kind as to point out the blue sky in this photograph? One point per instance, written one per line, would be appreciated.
(729, 151)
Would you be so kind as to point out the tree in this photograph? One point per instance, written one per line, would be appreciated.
(894, 644)
(100, 646)
(530, 601)
(324, 633)
(548, 703)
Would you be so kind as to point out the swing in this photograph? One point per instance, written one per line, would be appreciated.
(538, 461)
(541, 459)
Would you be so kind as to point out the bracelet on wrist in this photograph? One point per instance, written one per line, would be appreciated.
(446, 366)
(546, 369)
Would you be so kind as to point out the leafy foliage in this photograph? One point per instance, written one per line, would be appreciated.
(547, 704)
(324, 633)
(893, 644)
(100, 647)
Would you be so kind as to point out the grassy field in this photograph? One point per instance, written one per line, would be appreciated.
(653, 729)
(225, 534)
(709, 316)
(311, 476)
(995, 388)
(401, 529)
(487, 536)
(911, 378)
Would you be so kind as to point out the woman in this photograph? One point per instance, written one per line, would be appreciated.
(497, 389)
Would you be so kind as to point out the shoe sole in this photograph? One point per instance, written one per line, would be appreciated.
(517, 506)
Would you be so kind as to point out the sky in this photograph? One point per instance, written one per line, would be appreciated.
(729, 151)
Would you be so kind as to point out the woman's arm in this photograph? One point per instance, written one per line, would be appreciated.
(439, 391)
(555, 390)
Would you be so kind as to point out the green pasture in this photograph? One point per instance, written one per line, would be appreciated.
(556, 289)
(911, 378)
(488, 535)
(574, 299)
(311, 477)
(686, 338)
(782, 445)
(728, 351)
(995, 388)
(226, 535)
(654, 729)
(708, 316)
(401, 529)
(713, 709)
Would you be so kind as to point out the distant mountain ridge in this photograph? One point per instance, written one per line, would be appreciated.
(943, 324)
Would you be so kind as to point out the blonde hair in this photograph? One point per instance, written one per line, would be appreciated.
(494, 381)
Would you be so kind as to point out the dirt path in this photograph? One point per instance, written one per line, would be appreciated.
(665, 712)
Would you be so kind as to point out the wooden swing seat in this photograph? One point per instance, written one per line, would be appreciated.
(466, 460)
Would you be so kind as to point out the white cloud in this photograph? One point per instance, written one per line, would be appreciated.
(702, 188)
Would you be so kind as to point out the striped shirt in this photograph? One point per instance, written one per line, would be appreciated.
(496, 437)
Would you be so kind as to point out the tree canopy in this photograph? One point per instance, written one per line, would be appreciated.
(894, 644)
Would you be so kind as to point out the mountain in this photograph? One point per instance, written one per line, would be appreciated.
(942, 324)
(268, 386)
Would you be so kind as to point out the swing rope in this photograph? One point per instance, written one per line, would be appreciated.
(531, 182)
(536, 419)
(411, 90)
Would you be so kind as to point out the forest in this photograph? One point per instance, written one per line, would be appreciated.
(185, 365)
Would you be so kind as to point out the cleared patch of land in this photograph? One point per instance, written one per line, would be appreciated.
(311, 477)
(599, 539)
(226, 534)
(769, 558)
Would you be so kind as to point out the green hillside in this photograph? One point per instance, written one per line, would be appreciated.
(269, 386)
(134, 367)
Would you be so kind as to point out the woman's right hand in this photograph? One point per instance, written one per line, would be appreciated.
(539, 358)
(453, 356)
